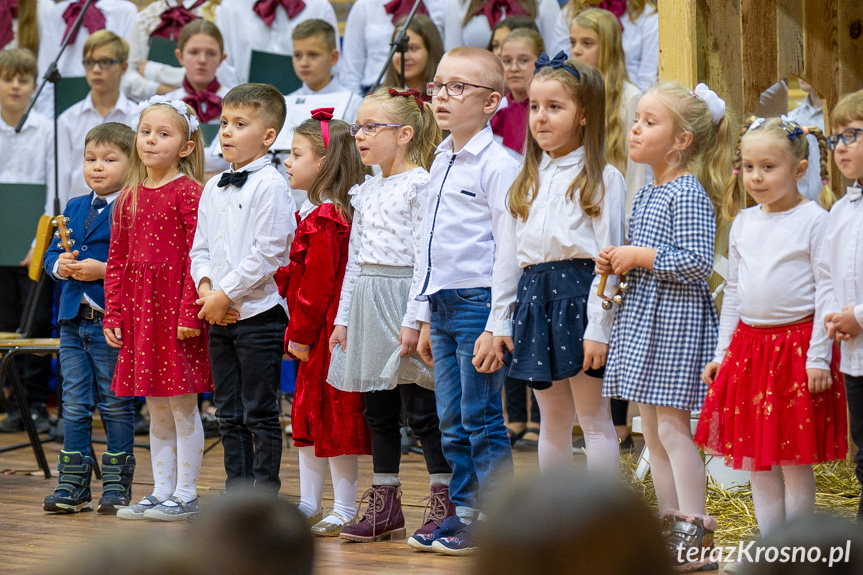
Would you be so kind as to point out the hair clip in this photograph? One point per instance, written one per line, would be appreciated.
(409, 93)
(790, 126)
(324, 115)
(715, 104)
(178, 105)
(756, 123)
(556, 62)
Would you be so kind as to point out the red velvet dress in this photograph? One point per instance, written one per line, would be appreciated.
(322, 416)
(149, 292)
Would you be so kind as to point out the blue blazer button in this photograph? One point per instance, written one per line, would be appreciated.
(83, 248)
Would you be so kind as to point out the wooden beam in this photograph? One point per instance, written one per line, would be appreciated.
(760, 50)
(678, 42)
(720, 61)
(850, 46)
(789, 25)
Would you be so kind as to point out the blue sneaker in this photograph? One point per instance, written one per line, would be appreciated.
(465, 542)
(448, 527)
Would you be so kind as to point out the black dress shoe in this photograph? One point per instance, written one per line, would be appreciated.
(13, 422)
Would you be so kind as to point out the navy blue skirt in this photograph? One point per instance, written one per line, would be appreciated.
(549, 320)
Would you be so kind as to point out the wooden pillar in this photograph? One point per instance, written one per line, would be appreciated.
(678, 42)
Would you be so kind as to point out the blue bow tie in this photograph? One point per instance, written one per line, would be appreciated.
(854, 193)
(556, 62)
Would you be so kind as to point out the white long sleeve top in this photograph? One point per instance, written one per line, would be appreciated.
(557, 229)
(387, 231)
(841, 272)
(773, 260)
(641, 48)
(477, 32)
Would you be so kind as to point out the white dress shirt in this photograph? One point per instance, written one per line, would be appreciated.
(557, 229)
(466, 217)
(244, 235)
(26, 157)
(366, 42)
(807, 115)
(119, 19)
(841, 272)
(386, 230)
(772, 272)
(87, 299)
(138, 87)
(212, 162)
(72, 127)
(245, 31)
(641, 48)
(477, 32)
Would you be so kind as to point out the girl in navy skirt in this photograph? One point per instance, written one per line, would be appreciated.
(666, 331)
(777, 403)
(565, 204)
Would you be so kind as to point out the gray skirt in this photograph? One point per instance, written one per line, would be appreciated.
(373, 359)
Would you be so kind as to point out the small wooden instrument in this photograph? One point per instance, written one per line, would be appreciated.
(63, 233)
(618, 296)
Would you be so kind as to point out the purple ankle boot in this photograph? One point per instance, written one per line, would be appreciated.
(383, 519)
(439, 508)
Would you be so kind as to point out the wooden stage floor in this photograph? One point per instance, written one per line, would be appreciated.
(29, 536)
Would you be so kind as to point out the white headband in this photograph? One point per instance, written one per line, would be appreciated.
(178, 105)
(715, 104)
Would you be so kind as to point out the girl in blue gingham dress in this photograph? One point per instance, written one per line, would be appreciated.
(667, 327)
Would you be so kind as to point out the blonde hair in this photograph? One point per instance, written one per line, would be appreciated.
(191, 165)
(532, 37)
(612, 64)
(28, 25)
(848, 109)
(736, 197)
(708, 156)
(342, 168)
(406, 110)
(100, 38)
(588, 92)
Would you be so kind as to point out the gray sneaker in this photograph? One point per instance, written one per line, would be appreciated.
(137, 510)
(178, 512)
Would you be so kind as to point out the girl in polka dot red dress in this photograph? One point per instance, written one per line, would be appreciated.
(151, 314)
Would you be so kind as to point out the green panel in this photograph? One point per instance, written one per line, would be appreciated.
(23, 205)
(210, 132)
(70, 91)
(162, 51)
(275, 69)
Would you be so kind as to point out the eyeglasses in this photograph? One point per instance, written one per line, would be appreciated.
(847, 137)
(452, 88)
(103, 64)
(371, 127)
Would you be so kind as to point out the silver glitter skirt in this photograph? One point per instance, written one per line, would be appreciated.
(372, 361)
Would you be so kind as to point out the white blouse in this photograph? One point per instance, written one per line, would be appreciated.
(641, 48)
(386, 231)
(772, 270)
(558, 229)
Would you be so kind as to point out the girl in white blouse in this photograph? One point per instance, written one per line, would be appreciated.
(776, 403)
(376, 323)
(566, 203)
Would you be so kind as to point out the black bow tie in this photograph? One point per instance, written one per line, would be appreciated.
(233, 179)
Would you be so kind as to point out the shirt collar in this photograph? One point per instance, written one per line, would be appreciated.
(854, 192)
(480, 141)
(110, 198)
(255, 166)
(122, 104)
(574, 158)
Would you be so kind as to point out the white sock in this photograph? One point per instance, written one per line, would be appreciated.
(768, 497)
(313, 471)
(343, 470)
(190, 445)
(163, 446)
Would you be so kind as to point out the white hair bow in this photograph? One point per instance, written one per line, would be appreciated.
(715, 104)
(178, 105)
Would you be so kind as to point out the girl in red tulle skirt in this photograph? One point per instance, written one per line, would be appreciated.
(776, 403)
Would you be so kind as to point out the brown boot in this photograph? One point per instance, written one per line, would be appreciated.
(439, 508)
(383, 518)
(689, 539)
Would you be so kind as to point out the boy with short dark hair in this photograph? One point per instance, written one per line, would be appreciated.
(245, 227)
(85, 357)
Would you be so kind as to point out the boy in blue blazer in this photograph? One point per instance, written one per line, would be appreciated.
(86, 359)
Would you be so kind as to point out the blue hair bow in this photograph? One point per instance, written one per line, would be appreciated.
(556, 62)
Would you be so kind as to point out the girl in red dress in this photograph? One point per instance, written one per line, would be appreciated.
(328, 424)
(150, 296)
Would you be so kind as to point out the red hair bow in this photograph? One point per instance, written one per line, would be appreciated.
(324, 115)
(410, 93)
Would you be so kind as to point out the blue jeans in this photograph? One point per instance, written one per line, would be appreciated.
(469, 405)
(88, 364)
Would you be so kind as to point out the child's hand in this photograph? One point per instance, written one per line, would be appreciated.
(408, 339)
(709, 373)
(502, 344)
(114, 336)
(424, 346)
(845, 326)
(88, 270)
(63, 262)
(484, 358)
(595, 354)
(626, 258)
(829, 325)
(231, 316)
(299, 350)
(187, 332)
(339, 337)
(819, 380)
(213, 307)
(603, 263)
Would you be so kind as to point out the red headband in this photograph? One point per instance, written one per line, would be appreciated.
(411, 93)
(324, 115)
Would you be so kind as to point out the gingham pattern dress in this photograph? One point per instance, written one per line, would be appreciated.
(667, 329)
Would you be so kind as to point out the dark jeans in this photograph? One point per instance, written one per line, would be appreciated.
(854, 392)
(516, 401)
(246, 359)
(382, 416)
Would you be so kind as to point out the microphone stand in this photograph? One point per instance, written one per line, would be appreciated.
(53, 76)
(399, 44)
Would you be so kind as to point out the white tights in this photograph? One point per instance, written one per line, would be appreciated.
(343, 470)
(558, 406)
(176, 442)
(779, 499)
(675, 463)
